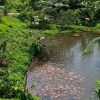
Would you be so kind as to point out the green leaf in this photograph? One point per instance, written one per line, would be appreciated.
(92, 44)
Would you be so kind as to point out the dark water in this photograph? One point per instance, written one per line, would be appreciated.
(67, 73)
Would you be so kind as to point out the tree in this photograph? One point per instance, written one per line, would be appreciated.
(2, 2)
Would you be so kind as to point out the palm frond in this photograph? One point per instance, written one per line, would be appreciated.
(92, 44)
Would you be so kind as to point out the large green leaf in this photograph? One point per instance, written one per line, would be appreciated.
(92, 44)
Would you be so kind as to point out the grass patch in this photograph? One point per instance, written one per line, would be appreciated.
(97, 28)
(50, 32)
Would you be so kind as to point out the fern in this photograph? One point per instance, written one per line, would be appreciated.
(92, 44)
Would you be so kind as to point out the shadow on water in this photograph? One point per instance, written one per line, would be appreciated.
(65, 72)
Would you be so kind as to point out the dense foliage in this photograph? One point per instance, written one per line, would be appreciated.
(18, 46)
(23, 21)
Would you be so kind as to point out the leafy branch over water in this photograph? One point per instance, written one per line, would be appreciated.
(90, 47)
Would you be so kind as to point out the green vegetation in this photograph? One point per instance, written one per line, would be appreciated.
(22, 22)
(97, 89)
(18, 46)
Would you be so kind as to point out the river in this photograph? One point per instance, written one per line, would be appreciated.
(66, 72)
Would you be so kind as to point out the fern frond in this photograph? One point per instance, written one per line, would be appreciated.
(92, 44)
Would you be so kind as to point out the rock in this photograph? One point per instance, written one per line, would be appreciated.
(76, 35)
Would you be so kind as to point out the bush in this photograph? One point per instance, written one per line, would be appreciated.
(20, 48)
(97, 89)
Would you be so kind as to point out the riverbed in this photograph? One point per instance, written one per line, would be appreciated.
(62, 71)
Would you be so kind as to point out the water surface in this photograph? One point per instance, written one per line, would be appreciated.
(66, 73)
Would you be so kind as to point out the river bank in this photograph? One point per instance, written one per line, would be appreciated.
(20, 48)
